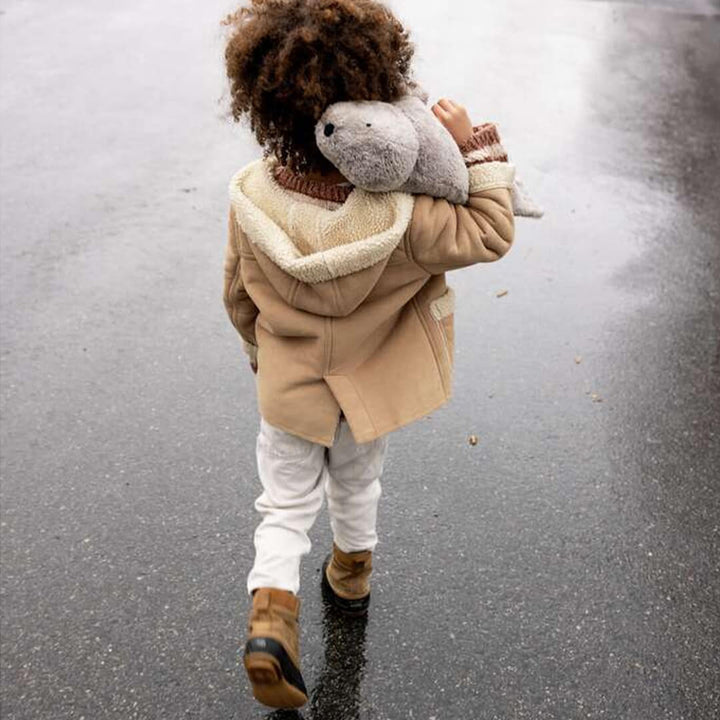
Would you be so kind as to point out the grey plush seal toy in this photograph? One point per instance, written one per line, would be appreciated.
(397, 146)
(401, 146)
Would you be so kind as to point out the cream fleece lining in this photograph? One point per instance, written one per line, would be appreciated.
(353, 237)
(491, 175)
(444, 306)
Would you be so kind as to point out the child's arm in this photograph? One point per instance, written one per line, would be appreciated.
(239, 305)
(444, 236)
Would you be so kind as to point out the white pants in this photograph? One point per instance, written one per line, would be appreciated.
(295, 475)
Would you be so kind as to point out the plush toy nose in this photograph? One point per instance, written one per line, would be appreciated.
(329, 129)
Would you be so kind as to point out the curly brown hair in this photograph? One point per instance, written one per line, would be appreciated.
(287, 60)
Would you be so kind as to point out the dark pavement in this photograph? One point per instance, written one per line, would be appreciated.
(564, 567)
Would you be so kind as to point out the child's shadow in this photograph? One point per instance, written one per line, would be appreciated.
(336, 696)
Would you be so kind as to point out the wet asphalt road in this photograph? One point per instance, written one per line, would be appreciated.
(564, 567)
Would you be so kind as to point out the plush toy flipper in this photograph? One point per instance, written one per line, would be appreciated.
(523, 204)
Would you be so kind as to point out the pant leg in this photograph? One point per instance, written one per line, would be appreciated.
(292, 475)
(353, 489)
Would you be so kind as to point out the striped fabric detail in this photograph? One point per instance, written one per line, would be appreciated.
(483, 146)
(491, 153)
(334, 193)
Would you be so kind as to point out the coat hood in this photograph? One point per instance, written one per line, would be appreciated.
(337, 254)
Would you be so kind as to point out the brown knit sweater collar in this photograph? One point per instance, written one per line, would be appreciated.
(313, 188)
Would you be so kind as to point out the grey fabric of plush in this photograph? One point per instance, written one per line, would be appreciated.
(401, 146)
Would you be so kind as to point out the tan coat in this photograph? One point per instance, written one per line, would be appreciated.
(348, 309)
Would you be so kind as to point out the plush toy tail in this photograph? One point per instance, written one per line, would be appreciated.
(523, 204)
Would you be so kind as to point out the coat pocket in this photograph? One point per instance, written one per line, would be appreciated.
(442, 309)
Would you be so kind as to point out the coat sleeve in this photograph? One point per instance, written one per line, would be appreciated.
(239, 305)
(443, 236)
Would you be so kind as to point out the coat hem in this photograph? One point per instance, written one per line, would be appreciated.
(362, 437)
(369, 437)
(305, 436)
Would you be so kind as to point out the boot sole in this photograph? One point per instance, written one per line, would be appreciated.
(352, 608)
(275, 680)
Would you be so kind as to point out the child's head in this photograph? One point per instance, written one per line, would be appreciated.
(287, 60)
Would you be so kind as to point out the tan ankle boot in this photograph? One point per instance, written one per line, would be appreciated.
(272, 652)
(346, 580)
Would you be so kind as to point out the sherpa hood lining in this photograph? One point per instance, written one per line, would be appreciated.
(330, 263)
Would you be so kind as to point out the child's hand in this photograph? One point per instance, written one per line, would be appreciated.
(455, 119)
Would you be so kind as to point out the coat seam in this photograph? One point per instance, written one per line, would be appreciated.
(326, 345)
(446, 341)
(408, 248)
(331, 344)
(336, 294)
(428, 333)
(362, 402)
(411, 419)
(294, 291)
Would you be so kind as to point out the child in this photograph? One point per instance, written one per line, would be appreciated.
(339, 296)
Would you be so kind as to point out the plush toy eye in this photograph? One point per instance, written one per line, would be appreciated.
(368, 125)
(329, 129)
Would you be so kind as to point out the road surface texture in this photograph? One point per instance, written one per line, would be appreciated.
(565, 566)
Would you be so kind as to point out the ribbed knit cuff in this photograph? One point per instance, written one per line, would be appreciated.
(483, 146)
